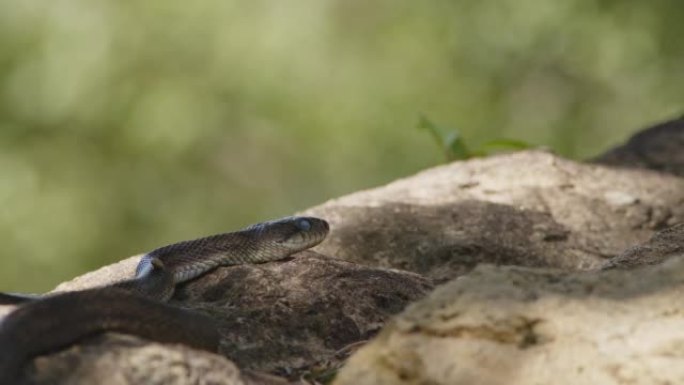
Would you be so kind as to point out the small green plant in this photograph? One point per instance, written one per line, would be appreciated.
(454, 146)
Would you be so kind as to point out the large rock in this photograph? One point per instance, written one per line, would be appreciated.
(663, 245)
(529, 208)
(512, 325)
(291, 318)
(123, 360)
(660, 148)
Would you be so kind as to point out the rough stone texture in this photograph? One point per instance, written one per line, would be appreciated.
(291, 318)
(124, 360)
(660, 148)
(664, 244)
(529, 208)
(512, 325)
(288, 317)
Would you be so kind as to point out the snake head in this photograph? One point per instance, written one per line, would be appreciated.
(293, 233)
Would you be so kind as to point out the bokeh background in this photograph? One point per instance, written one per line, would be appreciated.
(126, 125)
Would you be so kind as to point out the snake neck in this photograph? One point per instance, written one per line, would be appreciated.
(263, 242)
(191, 259)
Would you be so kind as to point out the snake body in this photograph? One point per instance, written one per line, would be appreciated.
(136, 306)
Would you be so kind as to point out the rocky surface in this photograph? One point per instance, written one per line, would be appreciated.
(660, 148)
(512, 325)
(529, 209)
(122, 360)
(550, 271)
(299, 317)
(296, 316)
(663, 245)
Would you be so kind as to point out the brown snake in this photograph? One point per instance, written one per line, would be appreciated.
(45, 324)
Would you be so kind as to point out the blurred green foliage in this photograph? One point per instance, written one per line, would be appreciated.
(126, 125)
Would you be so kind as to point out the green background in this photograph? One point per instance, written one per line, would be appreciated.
(126, 125)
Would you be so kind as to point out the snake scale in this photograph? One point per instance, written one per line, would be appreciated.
(44, 324)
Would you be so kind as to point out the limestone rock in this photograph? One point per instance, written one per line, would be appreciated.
(291, 318)
(125, 360)
(664, 244)
(660, 148)
(529, 208)
(512, 325)
(297, 316)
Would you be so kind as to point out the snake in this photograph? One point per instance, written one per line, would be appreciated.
(44, 324)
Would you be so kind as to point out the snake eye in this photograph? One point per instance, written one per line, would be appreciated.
(303, 224)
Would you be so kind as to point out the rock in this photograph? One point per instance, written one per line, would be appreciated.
(529, 208)
(117, 359)
(663, 245)
(513, 325)
(660, 148)
(288, 318)
(565, 313)
(291, 318)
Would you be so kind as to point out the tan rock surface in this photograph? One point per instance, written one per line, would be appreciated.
(294, 316)
(665, 244)
(124, 360)
(512, 325)
(529, 208)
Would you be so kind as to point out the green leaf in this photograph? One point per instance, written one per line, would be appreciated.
(449, 140)
(505, 144)
(455, 147)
